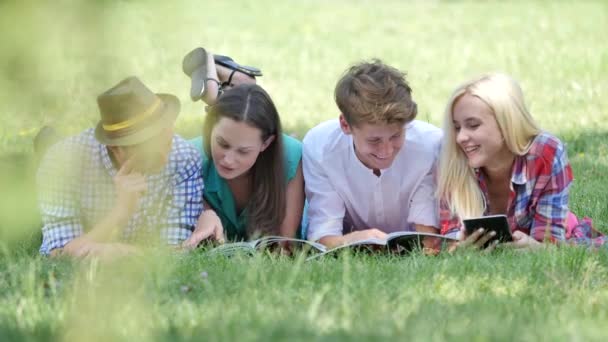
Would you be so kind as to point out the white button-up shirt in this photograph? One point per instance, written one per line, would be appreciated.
(344, 195)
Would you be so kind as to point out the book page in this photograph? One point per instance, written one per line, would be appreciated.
(232, 248)
(407, 241)
(298, 243)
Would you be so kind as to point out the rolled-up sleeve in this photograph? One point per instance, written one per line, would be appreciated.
(424, 207)
(187, 198)
(57, 183)
(549, 221)
(325, 207)
(449, 221)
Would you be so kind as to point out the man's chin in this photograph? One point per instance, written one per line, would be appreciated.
(229, 175)
(381, 164)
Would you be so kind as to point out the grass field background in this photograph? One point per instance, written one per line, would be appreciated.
(56, 57)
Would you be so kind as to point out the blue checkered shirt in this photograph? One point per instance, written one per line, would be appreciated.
(76, 190)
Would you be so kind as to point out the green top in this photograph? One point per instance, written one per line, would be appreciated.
(218, 194)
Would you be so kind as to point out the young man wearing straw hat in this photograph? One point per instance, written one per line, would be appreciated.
(127, 179)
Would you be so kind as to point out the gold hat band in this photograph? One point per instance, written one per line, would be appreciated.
(134, 120)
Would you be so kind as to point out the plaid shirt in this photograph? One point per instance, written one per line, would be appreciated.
(538, 198)
(76, 190)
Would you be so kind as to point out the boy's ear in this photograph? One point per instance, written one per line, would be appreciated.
(344, 125)
(267, 142)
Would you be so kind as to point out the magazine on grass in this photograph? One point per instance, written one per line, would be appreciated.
(267, 242)
(396, 242)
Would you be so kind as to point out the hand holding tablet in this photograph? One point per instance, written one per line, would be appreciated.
(496, 223)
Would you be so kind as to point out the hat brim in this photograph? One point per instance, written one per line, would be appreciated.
(170, 111)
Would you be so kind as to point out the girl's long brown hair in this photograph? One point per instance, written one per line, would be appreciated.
(249, 103)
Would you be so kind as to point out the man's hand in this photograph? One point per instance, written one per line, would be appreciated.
(87, 248)
(522, 242)
(332, 241)
(430, 245)
(208, 226)
(130, 186)
(359, 235)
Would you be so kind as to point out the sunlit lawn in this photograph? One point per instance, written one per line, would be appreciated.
(56, 58)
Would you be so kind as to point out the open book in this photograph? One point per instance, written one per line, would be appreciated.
(396, 242)
(267, 242)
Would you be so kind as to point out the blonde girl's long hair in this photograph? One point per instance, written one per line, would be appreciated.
(457, 181)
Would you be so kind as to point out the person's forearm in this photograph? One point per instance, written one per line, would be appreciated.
(77, 247)
(426, 229)
(547, 232)
(294, 209)
(205, 214)
(289, 229)
(110, 226)
(105, 230)
(291, 224)
(354, 236)
(332, 241)
(82, 247)
(429, 243)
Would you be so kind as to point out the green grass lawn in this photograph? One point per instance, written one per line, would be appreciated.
(56, 57)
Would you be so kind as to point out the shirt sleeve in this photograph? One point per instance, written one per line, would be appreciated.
(57, 182)
(424, 205)
(198, 145)
(325, 207)
(450, 222)
(186, 204)
(293, 154)
(582, 233)
(553, 182)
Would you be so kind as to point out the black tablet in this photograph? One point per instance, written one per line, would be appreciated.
(497, 223)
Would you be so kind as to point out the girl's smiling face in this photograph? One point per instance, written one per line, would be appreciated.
(477, 132)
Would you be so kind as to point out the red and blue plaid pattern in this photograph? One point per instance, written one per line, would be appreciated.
(538, 200)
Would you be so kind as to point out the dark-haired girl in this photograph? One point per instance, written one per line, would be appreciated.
(252, 171)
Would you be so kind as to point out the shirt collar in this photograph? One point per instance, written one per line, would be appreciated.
(518, 172)
(217, 187)
(106, 160)
(213, 181)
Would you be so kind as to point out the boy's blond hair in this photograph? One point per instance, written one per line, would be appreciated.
(375, 93)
